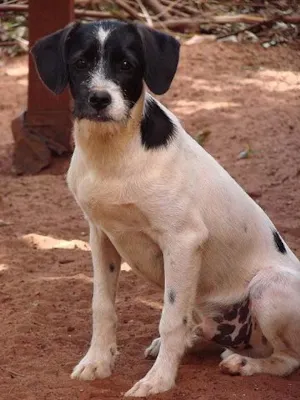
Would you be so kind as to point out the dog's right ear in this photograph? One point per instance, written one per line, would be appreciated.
(50, 59)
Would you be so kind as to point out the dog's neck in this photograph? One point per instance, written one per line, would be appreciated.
(106, 142)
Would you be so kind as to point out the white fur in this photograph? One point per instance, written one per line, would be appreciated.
(178, 218)
(103, 34)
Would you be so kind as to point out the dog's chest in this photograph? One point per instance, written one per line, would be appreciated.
(110, 204)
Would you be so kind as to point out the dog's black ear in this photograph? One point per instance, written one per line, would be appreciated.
(161, 52)
(50, 60)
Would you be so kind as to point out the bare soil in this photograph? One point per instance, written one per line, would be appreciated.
(245, 96)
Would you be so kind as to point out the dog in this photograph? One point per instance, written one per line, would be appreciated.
(155, 198)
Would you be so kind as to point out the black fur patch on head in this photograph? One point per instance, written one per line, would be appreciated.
(121, 44)
(171, 296)
(156, 127)
(279, 243)
(129, 55)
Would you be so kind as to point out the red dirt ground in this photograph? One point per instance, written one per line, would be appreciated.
(245, 95)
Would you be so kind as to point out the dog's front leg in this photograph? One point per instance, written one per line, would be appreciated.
(99, 360)
(182, 263)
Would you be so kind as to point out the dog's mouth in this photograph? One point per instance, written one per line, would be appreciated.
(100, 118)
(92, 116)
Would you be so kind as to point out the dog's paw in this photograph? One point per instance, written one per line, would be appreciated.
(148, 386)
(153, 350)
(156, 381)
(95, 365)
(226, 353)
(237, 365)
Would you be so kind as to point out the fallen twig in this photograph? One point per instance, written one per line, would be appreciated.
(145, 13)
(253, 28)
(167, 9)
(130, 10)
(182, 7)
(227, 19)
(156, 7)
(12, 372)
(78, 12)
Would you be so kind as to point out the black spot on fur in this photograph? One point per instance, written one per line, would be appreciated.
(156, 128)
(223, 340)
(226, 329)
(231, 314)
(184, 320)
(279, 243)
(172, 296)
(111, 267)
(112, 351)
(218, 319)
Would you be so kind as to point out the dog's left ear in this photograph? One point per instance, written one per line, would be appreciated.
(49, 56)
(161, 53)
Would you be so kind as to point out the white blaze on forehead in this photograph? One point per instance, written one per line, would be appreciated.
(102, 35)
(118, 108)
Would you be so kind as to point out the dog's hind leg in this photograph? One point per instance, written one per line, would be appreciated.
(99, 360)
(275, 297)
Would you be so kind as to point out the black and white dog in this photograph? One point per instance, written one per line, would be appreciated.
(153, 197)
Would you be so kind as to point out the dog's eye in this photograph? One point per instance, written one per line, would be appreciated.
(125, 65)
(81, 63)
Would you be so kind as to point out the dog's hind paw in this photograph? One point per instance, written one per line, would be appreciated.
(153, 350)
(235, 364)
(94, 365)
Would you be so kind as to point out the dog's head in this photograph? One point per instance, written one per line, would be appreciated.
(105, 64)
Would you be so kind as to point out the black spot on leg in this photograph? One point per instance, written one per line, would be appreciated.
(184, 320)
(111, 267)
(279, 243)
(112, 351)
(172, 296)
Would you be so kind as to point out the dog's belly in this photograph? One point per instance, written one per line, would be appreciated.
(142, 254)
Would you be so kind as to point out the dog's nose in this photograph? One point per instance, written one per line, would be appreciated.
(99, 100)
